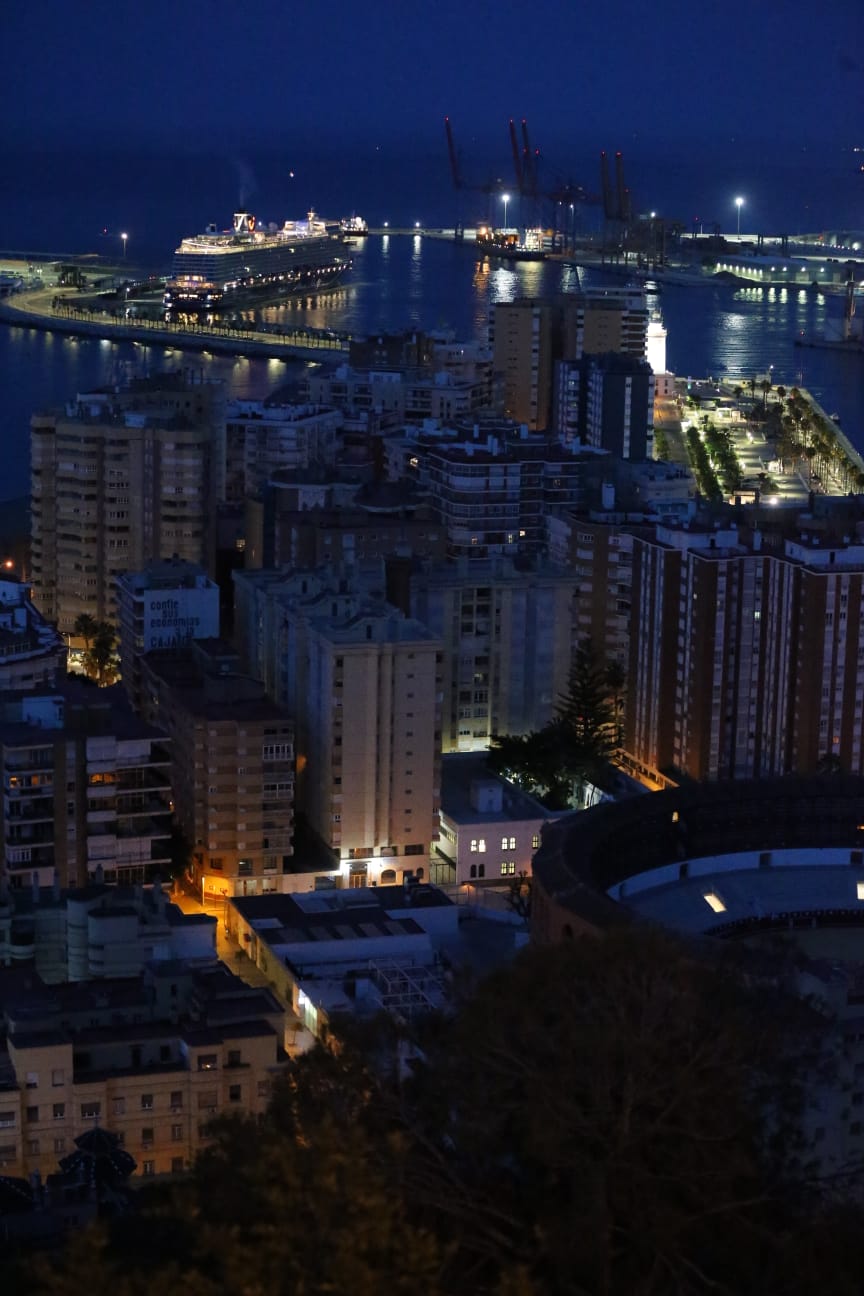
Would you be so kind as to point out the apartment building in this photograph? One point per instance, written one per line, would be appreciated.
(168, 604)
(121, 477)
(362, 682)
(606, 401)
(263, 437)
(746, 660)
(154, 1061)
(530, 335)
(400, 396)
(97, 931)
(508, 637)
(86, 789)
(32, 652)
(232, 761)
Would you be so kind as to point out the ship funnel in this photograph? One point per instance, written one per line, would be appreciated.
(244, 223)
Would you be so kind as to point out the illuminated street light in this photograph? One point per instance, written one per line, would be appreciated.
(416, 224)
(123, 238)
(505, 198)
(739, 203)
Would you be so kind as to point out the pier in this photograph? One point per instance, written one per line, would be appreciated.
(51, 311)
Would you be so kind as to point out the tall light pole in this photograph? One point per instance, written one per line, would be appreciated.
(739, 203)
(123, 238)
(505, 198)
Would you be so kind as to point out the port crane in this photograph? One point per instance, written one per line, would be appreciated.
(564, 195)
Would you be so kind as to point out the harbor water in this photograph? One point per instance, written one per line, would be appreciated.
(723, 330)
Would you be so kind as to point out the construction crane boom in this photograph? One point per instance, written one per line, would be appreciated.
(454, 160)
(517, 161)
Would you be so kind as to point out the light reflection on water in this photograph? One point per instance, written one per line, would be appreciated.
(399, 282)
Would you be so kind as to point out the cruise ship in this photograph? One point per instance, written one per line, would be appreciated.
(214, 270)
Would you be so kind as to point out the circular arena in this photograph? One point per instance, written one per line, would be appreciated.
(725, 859)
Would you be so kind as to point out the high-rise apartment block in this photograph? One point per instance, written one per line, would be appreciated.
(530, 335)
(167, 605)
(746, 661)
(362, 682)
(86, 788)
(606, 401)
(120, 477)
(232, 765)
(508, 637)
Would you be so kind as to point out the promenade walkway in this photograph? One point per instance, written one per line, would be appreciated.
(54, 311)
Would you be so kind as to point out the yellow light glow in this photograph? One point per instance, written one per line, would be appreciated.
(713, 900)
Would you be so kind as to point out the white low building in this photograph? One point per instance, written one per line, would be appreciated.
(489, 828)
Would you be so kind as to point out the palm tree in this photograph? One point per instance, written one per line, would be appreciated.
(100, 657)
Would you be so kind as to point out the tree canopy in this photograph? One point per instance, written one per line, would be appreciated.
(575, 745)
(610, 1117)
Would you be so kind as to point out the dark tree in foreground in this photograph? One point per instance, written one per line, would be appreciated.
(604, 1118)
(576, 745)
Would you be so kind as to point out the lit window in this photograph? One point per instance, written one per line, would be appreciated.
(535, 842)
(860, 890)
(481, 844)
(713, 900)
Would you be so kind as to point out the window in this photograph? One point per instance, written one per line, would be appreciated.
(535, 842)
(207, 1101)
(208, 1061)
(91, 1110)
(32, 1147)
(32, 1115)
(148, 1168)
(147, 1138)
(235, 1058)
(8, 1154)
(146, 1102)
(235, 1093)
(32, 1079)
(508, 843)
(508, 868)
(178, 1165)
(177, 1100)
(176, 1133)
(59, 1112)
(7, 1119)
(119, 1106)
(59, 1145)
(478, 844)
(58, 1078)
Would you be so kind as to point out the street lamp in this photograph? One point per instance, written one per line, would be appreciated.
(123, 238)
(505, 198)
(739, 203)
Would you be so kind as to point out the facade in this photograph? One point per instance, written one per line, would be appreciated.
(508, 637)
(98, 931)
(86, 790)
(32, 652)
(362, 682)
(152, 1062)
(606, 401)
(121, 477)
(746, 660)
(492, 498)
(232, 760)
(262, 438)
(489, 828)
(167, 604)
(400, 396)
(523, 354)
(382, 520)
(530, 334)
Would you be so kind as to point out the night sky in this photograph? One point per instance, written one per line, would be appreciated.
(381, 72)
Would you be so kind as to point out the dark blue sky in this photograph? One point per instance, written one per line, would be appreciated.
(194, 72)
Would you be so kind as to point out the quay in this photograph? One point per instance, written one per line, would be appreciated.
(51, 311)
